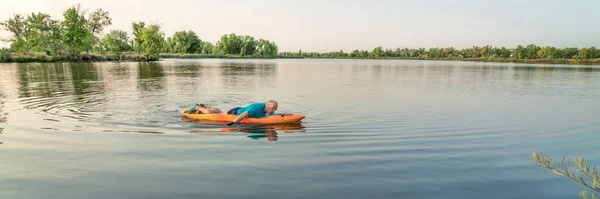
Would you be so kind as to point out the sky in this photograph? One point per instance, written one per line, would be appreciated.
(324, 26)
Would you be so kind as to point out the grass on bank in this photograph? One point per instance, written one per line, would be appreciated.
(7, 56)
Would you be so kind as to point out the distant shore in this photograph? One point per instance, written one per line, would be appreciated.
(132, 57)
(87, 57)
(499, 60)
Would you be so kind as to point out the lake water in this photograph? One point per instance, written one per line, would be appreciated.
(373, 129)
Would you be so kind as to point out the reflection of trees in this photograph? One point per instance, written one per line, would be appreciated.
(52, 78)
(81, 75)
(187, 69)
(439, 77)
(241, 76)
(376, 71)
(148, 70)
(52, 85)
(23, 76)
(120, 70)
(522, 79)
(150, 76)
(2, 114)
(49, 79)
(188, 74)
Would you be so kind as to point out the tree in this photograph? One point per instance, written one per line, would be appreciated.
(376, 52)
(45, 34)
(97, 21)
(519, 52)
(20, 29)
(354, 53)
(152, 40)
(588, 53)
(230, 44)
(137, 35)
(363, 53)
(76, 37)
(266, 48)
(169, 46)
(248, 45)
(5, 55)
(531, 51)
(503, 52)
(207, 48)
(186, 42)
(569, 53)
(548, 52)
(116, 42)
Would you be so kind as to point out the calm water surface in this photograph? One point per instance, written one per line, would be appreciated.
(374, 129)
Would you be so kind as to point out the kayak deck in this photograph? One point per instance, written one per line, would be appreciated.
(273, 119)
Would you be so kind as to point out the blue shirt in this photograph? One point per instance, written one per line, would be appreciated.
(256, 110)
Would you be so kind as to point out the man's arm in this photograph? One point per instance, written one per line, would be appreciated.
(239, 118)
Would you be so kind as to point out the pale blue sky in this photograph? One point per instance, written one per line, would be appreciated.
(313, 25)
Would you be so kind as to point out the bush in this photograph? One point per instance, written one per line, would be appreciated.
(5, 55)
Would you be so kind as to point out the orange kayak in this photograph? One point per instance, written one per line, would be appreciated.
(273, 119)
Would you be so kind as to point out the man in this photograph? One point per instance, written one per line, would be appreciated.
(255, 110)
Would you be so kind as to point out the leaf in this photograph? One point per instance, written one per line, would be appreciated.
(582, 181)
(535, 155)
(595, 181)
(557, 172)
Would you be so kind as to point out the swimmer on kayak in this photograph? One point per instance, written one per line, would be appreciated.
(255, 110)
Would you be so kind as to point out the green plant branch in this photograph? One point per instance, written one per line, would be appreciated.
(565, 170)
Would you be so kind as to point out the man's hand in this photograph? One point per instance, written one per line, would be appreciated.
(230, 123)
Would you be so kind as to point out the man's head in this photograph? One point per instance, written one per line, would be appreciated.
(271, 106)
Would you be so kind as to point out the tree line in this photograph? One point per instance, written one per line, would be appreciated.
(530, 51)
(80, 31)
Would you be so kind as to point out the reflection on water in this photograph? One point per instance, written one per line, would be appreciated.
(255, 131)
(2, 113)
(247, 76)
(150, 76)
(103, 92)
(379, 124)
(85, 77)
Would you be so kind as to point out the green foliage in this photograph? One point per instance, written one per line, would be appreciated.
(97, 21)
(76, 37)
(519, 54)
(586, 195)
(152, 40)
(549, 53)
(266, 48)
(566, 169)
(5, 55)
(248, 45)
(45, 34)
(137, 35)
(207, 48)
(168, 46)
(116, 42)
(568, 53)
(245, 45)
(376, 52)
(185, 42)
(230, 44)
(20, 30)
(588, 53)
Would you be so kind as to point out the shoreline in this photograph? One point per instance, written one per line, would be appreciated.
(42, 58)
